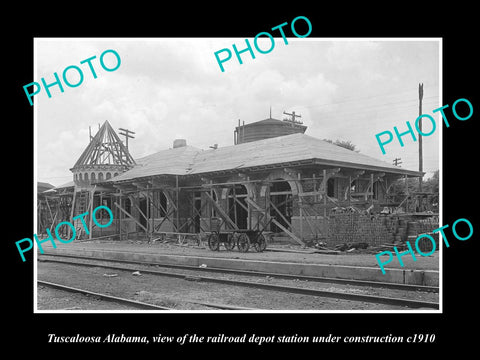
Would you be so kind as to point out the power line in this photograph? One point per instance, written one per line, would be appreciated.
(410, 91)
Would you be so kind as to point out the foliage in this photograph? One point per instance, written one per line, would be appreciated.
(347, 144)
(431, 185)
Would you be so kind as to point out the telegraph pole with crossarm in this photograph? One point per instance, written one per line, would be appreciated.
(127, 135)
(293, 115)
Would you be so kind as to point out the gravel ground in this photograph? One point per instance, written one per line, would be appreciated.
(309, 284)
(177, 293)
(55, 299)
(354, 258)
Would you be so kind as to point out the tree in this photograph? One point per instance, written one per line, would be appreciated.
(430, 185)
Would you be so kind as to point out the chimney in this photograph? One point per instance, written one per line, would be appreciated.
(179, 143)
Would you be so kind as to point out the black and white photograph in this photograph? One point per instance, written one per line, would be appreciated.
(177, 186)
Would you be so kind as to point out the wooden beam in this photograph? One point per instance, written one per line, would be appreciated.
(255, 205)
(92, 193)
(313, 227)
(240, 203)
(311, 193)
(278, 211)
(288, 232)
(134, 203)
(71, 213)
(221, 211)
(177, 194)
(300, 210)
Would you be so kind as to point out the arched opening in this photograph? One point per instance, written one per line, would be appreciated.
(100, 176)
(92, 176)
(237, 207)
(281, 204)
(108, 176)
(86, 176)
(331, 187)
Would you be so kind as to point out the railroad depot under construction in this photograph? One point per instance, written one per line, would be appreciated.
(274, 181)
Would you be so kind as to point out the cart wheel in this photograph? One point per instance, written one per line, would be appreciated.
(260, 244)
(213, 242)
(230, 242)
(243, 242)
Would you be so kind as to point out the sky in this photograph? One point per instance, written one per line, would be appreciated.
(169, 88)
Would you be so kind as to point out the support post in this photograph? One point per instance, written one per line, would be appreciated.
(371, 188)
(92, 192)
(406, 193)
(177, 203)
(71, 213)
(324, 193)
(420, 146)
(120, 217)
(300, 206)
(349, 190)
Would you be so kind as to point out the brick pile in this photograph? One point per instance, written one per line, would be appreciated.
(359, 228)
(424, 226)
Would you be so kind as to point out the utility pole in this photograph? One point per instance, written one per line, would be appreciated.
(293, 115)
(420, 149)
(126, 134)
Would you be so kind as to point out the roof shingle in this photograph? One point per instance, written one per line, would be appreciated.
(284, 149)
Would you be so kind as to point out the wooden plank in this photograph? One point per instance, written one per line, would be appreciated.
(313, 229)
(71, 213)
(289, 192)
(166, 217)
(130, 216)
(240, 203)
(134, 203)
(311, 193)
(288, 232)
(170, 199)
(198, 212)
(175, 208)
(255, 205)
(92, 193)
(279, 213)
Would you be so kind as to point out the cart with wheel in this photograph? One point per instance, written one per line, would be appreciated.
(217, 237)
(242, 238)
(248, 238)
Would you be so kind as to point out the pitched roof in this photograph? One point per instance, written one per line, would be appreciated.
(44, 185)
(105, 148)
(274, 151)
(285, 149)
(176, 161)
(66, 185)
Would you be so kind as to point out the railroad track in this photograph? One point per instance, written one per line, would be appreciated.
(379, 284)
(274, 287)
(130, 302)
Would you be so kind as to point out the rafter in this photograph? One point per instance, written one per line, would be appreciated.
(105, 148)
